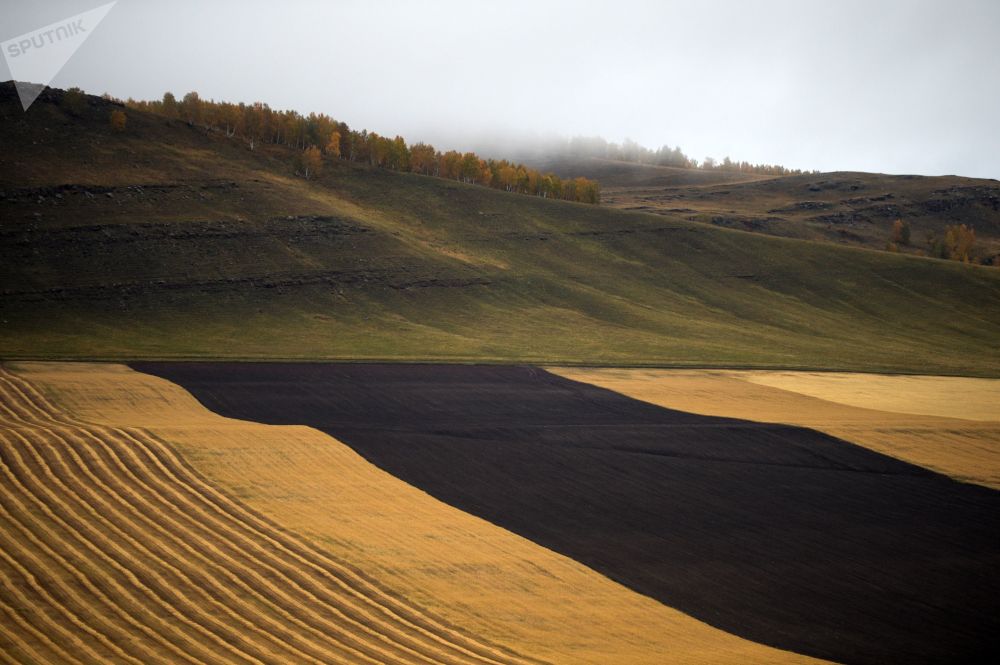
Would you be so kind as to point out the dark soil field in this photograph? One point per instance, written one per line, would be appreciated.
(779, 534)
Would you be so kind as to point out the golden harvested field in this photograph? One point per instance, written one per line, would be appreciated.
(948, 424)
(945, 396)
(114, 550)
(139, 527)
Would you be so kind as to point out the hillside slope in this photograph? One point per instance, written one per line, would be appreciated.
(168, 241)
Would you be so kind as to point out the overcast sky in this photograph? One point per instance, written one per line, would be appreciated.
(898, 86)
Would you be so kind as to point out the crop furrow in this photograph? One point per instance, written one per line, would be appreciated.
(310, 595)
(72, 624)
(212, 562)
(105, 553)
(367, 592)
(129, 498)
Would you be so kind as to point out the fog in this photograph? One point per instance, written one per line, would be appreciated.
(899, 86)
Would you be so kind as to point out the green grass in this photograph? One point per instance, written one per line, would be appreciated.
(405, 267)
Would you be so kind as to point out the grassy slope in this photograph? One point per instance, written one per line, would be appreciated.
(384, 265)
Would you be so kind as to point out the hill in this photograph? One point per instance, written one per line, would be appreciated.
(168, 241)
(614, 175)
(844, 207)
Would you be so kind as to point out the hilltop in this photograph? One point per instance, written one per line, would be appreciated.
(164, 240)
(850, 208)
(616, 174)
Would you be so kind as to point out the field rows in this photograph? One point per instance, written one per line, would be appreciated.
(113, 550)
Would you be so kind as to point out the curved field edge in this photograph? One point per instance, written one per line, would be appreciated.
(965, 446)
(946, 397)
(555, 365)
(470, 573)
